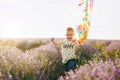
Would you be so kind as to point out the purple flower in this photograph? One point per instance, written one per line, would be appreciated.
(10, 77)
(118, 72)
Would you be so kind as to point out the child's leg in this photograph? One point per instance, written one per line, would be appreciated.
(66, 66)
(72, 64)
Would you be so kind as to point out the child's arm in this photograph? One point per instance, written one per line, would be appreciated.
(53, 41)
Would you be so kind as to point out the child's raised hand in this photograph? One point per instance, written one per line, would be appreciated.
(52, 39)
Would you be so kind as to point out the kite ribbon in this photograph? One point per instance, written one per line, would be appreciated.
(83, 28)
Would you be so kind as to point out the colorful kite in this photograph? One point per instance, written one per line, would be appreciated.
(83, 28)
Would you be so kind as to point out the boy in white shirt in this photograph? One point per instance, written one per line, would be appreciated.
(68, 47)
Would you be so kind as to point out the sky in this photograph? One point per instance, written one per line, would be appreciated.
(50, 18)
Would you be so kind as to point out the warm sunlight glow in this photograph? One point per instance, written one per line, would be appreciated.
(9, 30)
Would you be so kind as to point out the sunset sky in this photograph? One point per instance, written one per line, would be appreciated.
(50, 18)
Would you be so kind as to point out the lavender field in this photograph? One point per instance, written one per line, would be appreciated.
(39, 59)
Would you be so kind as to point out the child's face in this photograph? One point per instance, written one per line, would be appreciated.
(70, 35)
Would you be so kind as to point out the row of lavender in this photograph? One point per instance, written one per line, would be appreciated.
(44, 62)
(41, 63)
(102, 66)
(95, 70)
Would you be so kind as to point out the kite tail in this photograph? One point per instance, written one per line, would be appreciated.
(83, 28)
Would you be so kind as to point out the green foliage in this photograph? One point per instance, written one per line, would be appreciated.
(109, 55)
(97, 57)
(85, 52)
(100, 44)
(36, 43)
(117, 53)
(112, 51)
(22, 45)
(25, 45)
(7, 43)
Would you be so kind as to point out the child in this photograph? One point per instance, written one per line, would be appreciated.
(68, 47)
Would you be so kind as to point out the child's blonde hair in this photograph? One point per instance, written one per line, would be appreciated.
(70, 29)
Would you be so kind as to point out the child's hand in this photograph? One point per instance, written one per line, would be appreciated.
(52, 39)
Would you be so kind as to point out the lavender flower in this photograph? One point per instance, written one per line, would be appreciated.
(10, 77)
(118, 72)
(94, 71)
